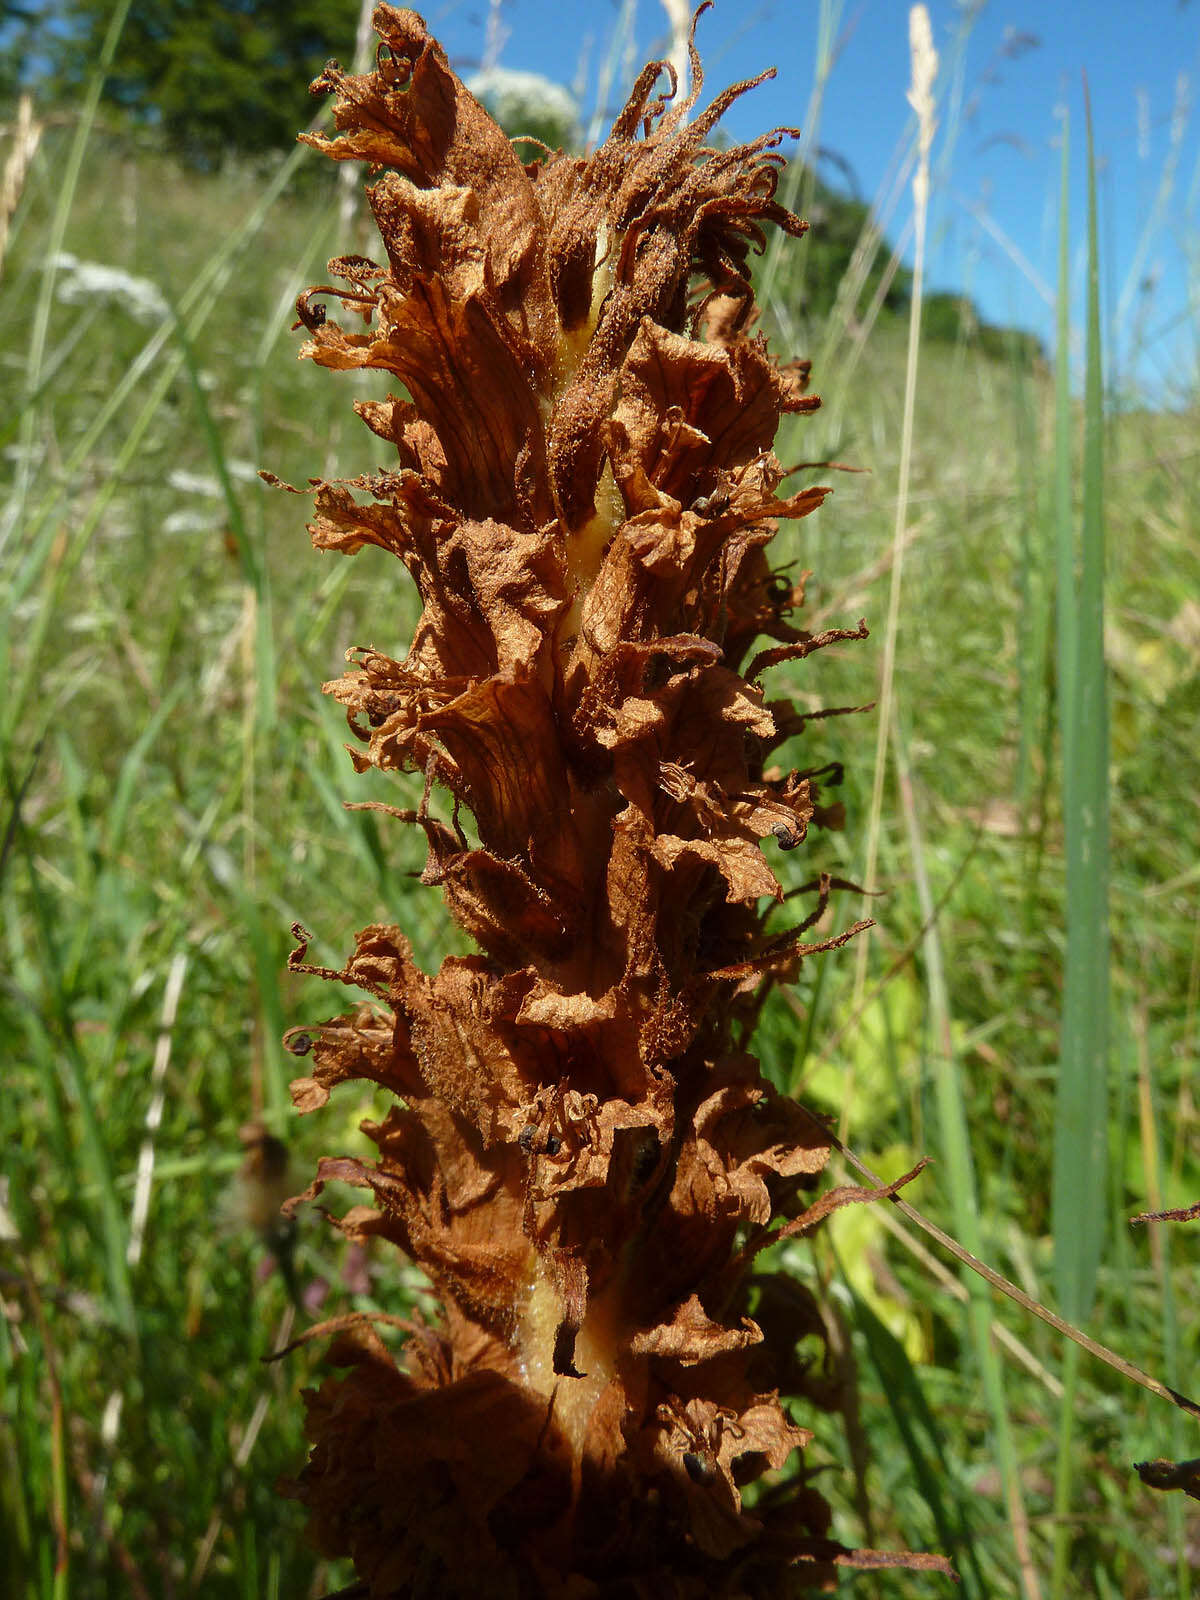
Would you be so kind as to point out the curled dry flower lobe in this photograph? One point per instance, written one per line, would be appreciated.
(581, 1155)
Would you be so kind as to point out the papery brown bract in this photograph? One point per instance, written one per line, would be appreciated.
(582, 1156)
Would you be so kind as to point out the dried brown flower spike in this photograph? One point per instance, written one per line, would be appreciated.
(582, 1156)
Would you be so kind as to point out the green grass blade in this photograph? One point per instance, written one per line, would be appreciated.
(1035, 591)
(125, 789)
(957, 1162)
(921, 1435)
(1064, 518)
(53, 1034)
(1079, 1213)
(254, 567)
(1081, 1107)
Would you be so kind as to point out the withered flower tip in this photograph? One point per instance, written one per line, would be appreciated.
(581, 1155)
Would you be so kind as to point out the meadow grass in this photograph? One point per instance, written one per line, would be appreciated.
(173, 802)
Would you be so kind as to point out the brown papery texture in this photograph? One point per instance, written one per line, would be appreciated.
(582, 1155)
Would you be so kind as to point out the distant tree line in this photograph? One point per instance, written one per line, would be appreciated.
(955, 319)
(838, 225)
(214, 78)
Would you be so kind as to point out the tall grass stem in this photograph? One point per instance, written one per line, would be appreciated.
(1079, 1210)
(924, 71)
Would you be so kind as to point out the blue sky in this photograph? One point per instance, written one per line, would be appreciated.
(1008, 70)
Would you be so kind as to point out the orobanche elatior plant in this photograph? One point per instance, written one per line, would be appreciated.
(582, 1156)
